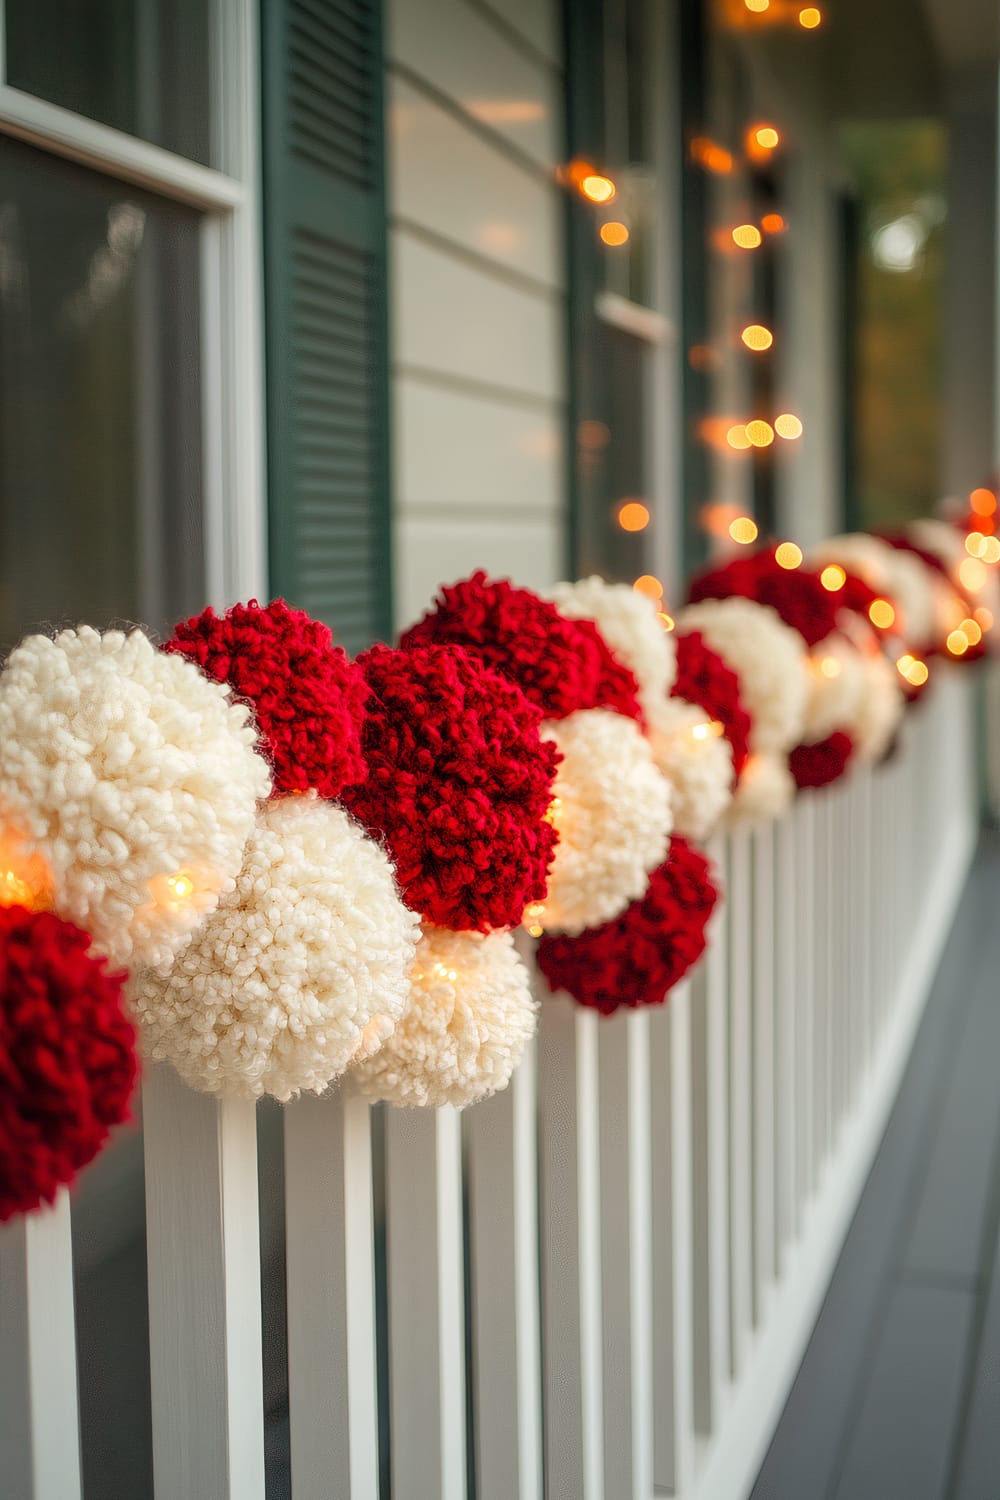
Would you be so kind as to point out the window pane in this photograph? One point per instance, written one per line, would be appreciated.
(100, 431)
(140, 65)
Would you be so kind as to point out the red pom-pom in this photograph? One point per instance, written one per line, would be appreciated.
(821, 763)
(67, 1056)
(796, 594)
(561, 665)
(704, 678)
(308, 698)
(902, 543)
(638, 958)
(459, 784)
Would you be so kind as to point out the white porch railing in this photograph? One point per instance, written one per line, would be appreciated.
(602, 1280)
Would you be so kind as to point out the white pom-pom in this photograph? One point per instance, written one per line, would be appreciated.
(769, 658)
(698, 763)
(302, 969)
(765, 792)
(836, 686)
(898, 576)
(134, 778)
(471, 1014)
(630, 624)
(880, 708)
(611, 807)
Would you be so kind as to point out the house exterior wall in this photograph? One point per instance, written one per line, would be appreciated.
(474, 103)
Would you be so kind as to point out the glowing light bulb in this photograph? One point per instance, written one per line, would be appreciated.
(983, 617)
(598, 188)
(757, 7)
(633, 515)
(736, 437)
(972, 631)
(788, 426)
(743, 530)
(788, 555)
(746, 236)
(882, 614)
(667, 621)
(810, 17)
(830, 667)
(833, 578)
(760, 433)
(957, 642)
(974, 543)
(972, 574)
(614, 233)
(772, 224)
(991, 550)
(25, 878)
(757, 337)
(766, 137)
(983, 502)
(649, 585)
(181, 886)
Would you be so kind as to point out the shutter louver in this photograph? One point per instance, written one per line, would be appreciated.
(325, 293)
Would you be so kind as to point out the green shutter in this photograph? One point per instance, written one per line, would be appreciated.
(325, 313)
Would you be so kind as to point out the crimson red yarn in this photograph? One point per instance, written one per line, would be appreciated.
(459, 783)
(561, 665)
(307, 696)
(822, 763)
(704, 678)
(639, 957)
(67, 1056)
(796, 594)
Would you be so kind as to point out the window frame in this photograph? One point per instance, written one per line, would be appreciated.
(231, 321)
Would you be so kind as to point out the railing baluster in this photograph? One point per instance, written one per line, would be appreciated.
(805, 862)
(787, 993)
(763, 1068)
(39, 1416)
(741, 1235)
(331, 1298)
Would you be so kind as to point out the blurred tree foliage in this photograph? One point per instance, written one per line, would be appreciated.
(898, 174)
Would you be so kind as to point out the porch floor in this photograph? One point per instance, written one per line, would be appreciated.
(899, 1390)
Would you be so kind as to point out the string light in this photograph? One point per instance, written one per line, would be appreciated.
(633, 515)
(972, 574)
(757, 337)
(172, 891)
(833, 578)
(743, 530)
(767, 137)
(957, 642)
(649, 585)
(974, 543)
(760, 433)
(737, 437)
(746, 236)
(983, 617)
(757, 7)
(788, 426)
(882, 614)
(983, 502)
(710, 155)
(972, 631)
(667, 621)
(991, 550)
(614, 233)
(913, 670)
(830, 667)
(810, 17)
(773, 224)
(25, 878)
(597, 188)
(710, 730)
(788, 555)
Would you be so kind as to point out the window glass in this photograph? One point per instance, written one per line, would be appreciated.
(139, 65)
(100, 392)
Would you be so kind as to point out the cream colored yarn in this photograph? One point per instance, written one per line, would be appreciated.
(768, 656)
(836, 687)
(630, 624)
(699, 769)
(765, 793)
(899, 576)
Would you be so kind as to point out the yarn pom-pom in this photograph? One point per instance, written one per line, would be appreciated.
(880, 708)
(765, 792)
(470, 1017)
(459, 785)
(561, 665)
(795, 594)
(307, 697)
(896, 576)
(67, 1056)
(823, 762)
(704, 677)
(303, 969)
(612, 813)
(696, 758)
(631, 626)
(836, 686)
(637, 959)
(134, 778)
(769, 658)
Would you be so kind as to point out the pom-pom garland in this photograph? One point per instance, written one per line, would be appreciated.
(765, 792)
(769, 659)
(880, 709)
(705, 678)
(836, 686)
(134, 778)
(631, 626)
(694, 755)
(795, 594)
(307, 697)
(562, 665)
(821, 763)
(459, 786)
(639, 957)
(471, 1014)
(612, 812)
(894, 576)
(302, 970)
(67, 1056)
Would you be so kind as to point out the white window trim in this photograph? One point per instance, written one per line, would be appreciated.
(231, 296)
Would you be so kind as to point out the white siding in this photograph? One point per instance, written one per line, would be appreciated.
(474, 105)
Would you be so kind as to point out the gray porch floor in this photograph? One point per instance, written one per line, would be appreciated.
(898, 1397)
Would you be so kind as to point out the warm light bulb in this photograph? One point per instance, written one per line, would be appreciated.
(25, 878)
(882, 614)
(649, 585)
(972, 631)
(974, 543)
(983, 502)
(710, 730)
(746, 236)
(972, 574)
(788, 555)
(918, 674)
(767, 137)
(983, 617)
(743, 530)
(957, 642)
(757, 337)
(833, 578)
(597, 188)
(810, 17)
(736, 437)
(614, 233)
(772, 224)
(757, 7)
(760, 433)
(633, 515)
(172, 891)
(830, 667)
(788, 426)
(667, 621)
(991, 550)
